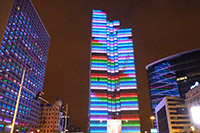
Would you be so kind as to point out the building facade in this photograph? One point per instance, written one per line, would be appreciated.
(50, 117)
(193, 104)
(173, 75)
(172, 116)
(24, 46)
(113, 87)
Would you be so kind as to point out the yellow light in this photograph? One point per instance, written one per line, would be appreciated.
(192, 128)
(126, 120)
(9, 126)
(38, 130)
(152, 117)
(18, 8)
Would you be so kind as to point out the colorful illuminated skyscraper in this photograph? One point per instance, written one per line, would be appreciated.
(24, 46)
(113, 103)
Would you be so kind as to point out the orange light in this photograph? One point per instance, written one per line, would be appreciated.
(152, 117)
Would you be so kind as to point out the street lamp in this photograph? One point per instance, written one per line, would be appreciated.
(192, 128)
(152, 119)
(17, 103)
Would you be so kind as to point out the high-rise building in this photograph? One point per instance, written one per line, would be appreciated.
(24, 46)
(50, 117)
(173, 75)
(113, 87)
(172, 115)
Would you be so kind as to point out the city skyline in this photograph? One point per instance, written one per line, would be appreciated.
(158, 32)
(160, 29)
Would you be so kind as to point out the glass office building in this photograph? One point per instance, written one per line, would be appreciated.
(113, 99)
(24, 46)
(173, 75)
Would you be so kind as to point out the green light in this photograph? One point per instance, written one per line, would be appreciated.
(127, 99)
(99, 79)
(97, 44)
(98, 61)
(127, 125)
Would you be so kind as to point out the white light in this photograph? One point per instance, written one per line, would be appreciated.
(195, 85)
(195, 114)
(114, 126)
(9, 126)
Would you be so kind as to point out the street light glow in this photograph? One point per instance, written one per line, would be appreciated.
(195, 114)
(152, 117)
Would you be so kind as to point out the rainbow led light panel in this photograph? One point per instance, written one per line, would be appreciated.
(113, 86)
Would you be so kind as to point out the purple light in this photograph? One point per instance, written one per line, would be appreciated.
(7, 120)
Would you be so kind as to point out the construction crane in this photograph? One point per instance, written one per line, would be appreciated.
(114, 93)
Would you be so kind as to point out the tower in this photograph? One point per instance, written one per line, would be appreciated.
(113, 88)
(24, 46)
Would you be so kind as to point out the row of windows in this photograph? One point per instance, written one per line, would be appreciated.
(20, 50)
(25, 31)
(45, 122)
(10, 65)
(49, 131)
(22, 115)
(10, 95)
(43, 114)
(43, 117)
(181, 122)
(179, 117)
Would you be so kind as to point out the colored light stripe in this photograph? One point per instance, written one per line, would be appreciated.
(114, 70)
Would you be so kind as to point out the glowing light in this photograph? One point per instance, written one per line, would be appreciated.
(152, 117)
(195, 114)
(112, 70)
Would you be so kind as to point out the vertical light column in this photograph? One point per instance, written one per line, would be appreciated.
(98, 111)
(128, 84)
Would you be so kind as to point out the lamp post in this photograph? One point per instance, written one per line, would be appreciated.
(17, 103)
(66, 118)
(152, 119)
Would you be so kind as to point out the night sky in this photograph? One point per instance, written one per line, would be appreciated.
(160, 28)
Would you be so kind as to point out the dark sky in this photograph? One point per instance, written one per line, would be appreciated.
(160, 28)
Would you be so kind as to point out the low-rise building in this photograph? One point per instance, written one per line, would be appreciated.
(193, 104)
(50, 117)
(172, 115)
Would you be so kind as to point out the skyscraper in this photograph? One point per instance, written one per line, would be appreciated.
(113, 88)
(24, 46)
(173, 75)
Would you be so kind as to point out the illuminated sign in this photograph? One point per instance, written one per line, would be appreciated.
(195, 85)
(154, 130)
